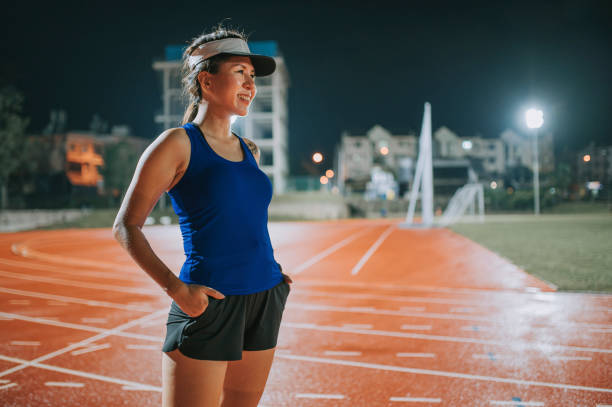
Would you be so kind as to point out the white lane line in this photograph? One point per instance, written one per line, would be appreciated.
(493, 356)
(91, 320)
(341, 353)
(442, 338)
(21, 249)
(476, 328)
(327, 252)
(362, 309)
(319, 396)
(138, 388)
(4, 381)
(144, 347)
(47, 321)
(71, 283)
(604, 405)
(3, 318)
(84, 342)
(416, 399)
(19, 302)
(516, 403)
(8, 386)
(601, 330)
(82, 374)
(415, 355)
(441, 373)
(358, 326)
(25, 343)
(570, 358)
(64, 384)
(64, 299)
(90, 348)
(372, 249)
(416, 327)
(466, 310)
(412, 309)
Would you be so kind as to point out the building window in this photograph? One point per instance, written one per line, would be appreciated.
(266, 157)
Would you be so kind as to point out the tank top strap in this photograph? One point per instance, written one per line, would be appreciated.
(195, 138)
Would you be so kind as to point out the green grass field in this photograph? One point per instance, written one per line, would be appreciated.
(571, 250)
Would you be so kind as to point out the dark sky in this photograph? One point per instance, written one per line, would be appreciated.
(478, 63)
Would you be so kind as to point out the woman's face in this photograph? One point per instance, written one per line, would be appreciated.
(232, 88)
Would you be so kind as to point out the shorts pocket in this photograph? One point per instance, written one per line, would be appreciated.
(201, 321)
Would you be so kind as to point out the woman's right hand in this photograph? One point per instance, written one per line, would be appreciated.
(193, 298)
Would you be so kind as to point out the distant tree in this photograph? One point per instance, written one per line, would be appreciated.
(12, 137)
(120, 161)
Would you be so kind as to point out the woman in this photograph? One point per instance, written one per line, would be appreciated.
(229, 298)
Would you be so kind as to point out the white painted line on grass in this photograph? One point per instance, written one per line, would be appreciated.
(47, 321)
(144, 347)
(442, 338)
(415, 355)
(372, 249)
(516, 403)
(327, 252)
(416, 327)
(8, 386)
(90, 348)
(416, 399)
(81, 374)
(63, 299)
(319, 396)
(440, 373)
(341, 353)
(25, 343)
(64, 384)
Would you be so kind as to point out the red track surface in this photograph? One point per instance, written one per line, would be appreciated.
(377, 316)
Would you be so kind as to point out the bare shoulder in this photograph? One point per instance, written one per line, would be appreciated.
(252, 146)
(173, 143)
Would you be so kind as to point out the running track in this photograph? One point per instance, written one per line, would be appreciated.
(377, 316)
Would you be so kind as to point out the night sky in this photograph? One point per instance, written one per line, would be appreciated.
(351, 67)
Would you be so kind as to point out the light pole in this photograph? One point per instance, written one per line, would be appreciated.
(535, 120)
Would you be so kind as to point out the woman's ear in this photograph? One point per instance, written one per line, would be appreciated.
(204, 81)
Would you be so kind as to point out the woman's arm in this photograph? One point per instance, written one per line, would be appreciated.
(161, 164)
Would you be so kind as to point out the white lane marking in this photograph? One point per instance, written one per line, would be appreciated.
(319, 396)
(64, 384)
(145, 347)
(90, 348)
(90, 320)
(336, 295)
(372, 249)
(358, 326)
(601, 330)
(442, 338)
(19, 302)
(81, 374)
(3, 318)
(492, 356)
(362, 309)
(604, 405)
(84, 342)
(570, 358)
(61, 298)
(341, 353)
(416, 327)
(25, 343)
(4, 381)
(138, 388)
(327, 252)
(441, 373)
(416, 399)
(112, 275)
(415, 355)
(476, 328)
(466, 310)
(413, 309)
(71, 283)
(8, 386)
(47, 321)
(516, 403)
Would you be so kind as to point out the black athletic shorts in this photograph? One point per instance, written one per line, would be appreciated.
(228, 326)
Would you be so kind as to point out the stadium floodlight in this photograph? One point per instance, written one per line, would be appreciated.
(535, 119)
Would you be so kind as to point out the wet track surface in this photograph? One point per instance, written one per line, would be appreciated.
(376, 316)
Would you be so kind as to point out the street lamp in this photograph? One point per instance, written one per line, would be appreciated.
(535, 120)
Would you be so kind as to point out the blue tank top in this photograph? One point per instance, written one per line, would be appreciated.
(222, 207)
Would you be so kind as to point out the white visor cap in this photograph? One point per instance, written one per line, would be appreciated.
(264, 65)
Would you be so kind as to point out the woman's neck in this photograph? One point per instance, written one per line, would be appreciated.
(214, 124)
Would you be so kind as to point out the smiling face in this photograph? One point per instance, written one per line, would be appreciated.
(230, 90)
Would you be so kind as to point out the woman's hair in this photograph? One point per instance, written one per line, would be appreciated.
(191, 86)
